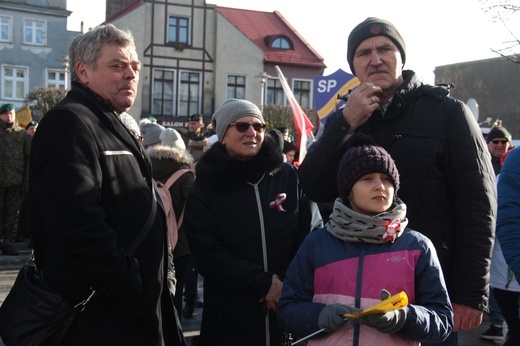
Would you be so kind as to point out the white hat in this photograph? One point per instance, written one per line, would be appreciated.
(172, 138)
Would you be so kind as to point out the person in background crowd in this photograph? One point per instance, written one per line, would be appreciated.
(245, 219)
(290, 152)
(31, 128)
(195, 128)
(447, 179)
(91, 194)
(23, 232)
(505, 266)
(498, 141)
(366, 233)
(167, 158)
(15, 146)
(151, 133)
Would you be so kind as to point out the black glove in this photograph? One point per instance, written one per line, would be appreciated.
(331, 317)
(388, 322)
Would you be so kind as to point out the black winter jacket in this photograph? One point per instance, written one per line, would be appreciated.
(229, 209)
(446, 177)
(90, 196)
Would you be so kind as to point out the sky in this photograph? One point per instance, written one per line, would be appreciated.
(436, 33)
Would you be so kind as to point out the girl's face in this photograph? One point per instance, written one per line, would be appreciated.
(372, 194)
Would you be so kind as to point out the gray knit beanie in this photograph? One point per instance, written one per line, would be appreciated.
(372, 27)
(363, 158)
(231, 111)
(151, 133)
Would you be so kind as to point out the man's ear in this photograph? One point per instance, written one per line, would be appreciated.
(82, 71)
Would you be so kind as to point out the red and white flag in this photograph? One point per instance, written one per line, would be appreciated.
(301, 122)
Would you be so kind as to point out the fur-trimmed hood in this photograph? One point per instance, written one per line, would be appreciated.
(166, 160)
(219, 170)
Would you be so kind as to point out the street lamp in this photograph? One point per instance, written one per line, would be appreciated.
(263, 78)
(65, 62)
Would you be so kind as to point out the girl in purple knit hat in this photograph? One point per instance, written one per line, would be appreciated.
(364, 254)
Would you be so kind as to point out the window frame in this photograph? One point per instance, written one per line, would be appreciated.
(189, 102)
(297, 94)
(14, 79)
(177, 40)
(278, 89)
(282, 39)
(174, 92)
(34, 34)
(236, 86)
(9, 23)
(58, 83)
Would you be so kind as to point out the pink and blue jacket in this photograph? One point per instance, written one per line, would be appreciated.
(327, 270)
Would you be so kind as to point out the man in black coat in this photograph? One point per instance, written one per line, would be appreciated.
(447, 180)
(90, 196)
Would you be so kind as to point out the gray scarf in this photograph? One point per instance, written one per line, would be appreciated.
(353, 227)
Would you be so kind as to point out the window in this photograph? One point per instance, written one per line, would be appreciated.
(302, 92)
(5, 29)
(163, 92)
(189, 93)
(275, 95)
(14, 82)
(236, 87)
(56, 79)
(281, 43)
(34, 32)
(178, 30)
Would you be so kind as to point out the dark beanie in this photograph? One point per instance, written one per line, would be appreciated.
(277, 136)
(372, 27)
(364, 157)
(498, 132)
(6, 107)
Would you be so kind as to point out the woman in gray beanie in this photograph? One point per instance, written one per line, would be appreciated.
(245, 219)
(364, 254)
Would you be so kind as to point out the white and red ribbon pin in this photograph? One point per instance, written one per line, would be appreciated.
(391, 230)
(279, 199)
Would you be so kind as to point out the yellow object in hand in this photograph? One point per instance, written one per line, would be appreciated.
(397, 301)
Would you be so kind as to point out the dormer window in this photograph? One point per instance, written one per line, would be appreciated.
(281, 42)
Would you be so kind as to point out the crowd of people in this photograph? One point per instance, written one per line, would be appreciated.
(411, 185)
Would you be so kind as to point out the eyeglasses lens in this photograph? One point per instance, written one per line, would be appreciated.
(496, 141)
(243, 127)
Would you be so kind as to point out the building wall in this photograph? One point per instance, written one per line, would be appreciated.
(493, 83)
(236, 55)
(148, 22)
(36, 59)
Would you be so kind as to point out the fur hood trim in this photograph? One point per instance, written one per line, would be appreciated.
(161, 152)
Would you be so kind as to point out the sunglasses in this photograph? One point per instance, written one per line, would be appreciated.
(243, 127)
(496, 141)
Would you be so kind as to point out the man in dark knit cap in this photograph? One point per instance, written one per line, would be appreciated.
(499, 142)
(447, 179)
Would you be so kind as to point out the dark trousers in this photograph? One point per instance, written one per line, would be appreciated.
(509, 305)
(10, 200)
(23, 219)
(181, 267)
(192, 280)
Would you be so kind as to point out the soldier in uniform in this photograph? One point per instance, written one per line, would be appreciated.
(14, 176)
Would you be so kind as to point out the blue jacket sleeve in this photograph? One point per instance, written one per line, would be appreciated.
(296, 311)
(430, 317)
(508, 219)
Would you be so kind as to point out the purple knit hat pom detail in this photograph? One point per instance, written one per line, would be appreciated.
(363, 156)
